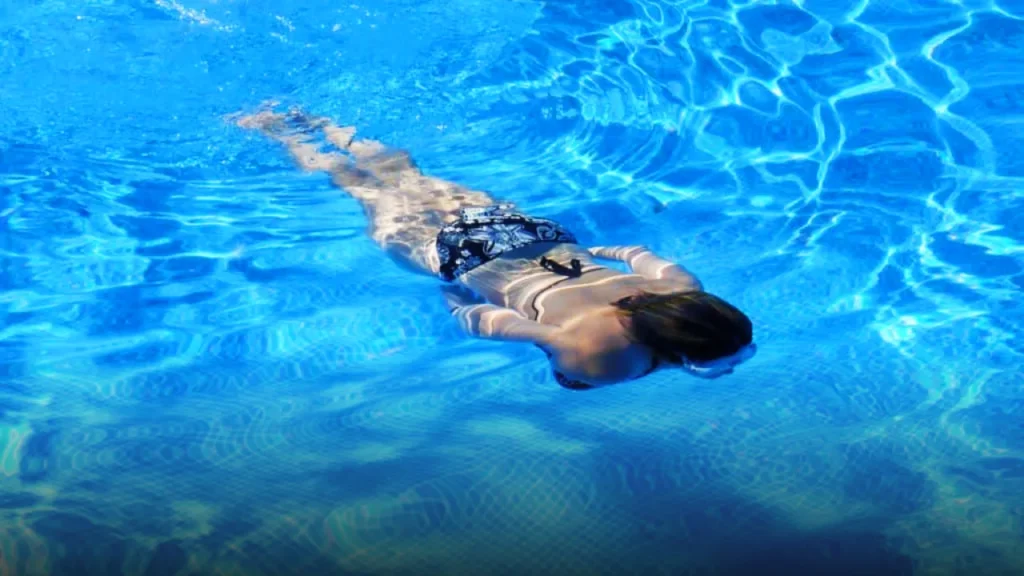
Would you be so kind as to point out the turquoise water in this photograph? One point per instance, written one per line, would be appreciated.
(207, 368)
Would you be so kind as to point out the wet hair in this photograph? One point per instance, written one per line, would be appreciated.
(693, 325)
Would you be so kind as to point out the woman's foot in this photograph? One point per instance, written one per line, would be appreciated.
(297, 132)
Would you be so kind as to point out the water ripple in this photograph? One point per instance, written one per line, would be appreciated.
(206, 364)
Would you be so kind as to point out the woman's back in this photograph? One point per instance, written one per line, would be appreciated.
(518, 280)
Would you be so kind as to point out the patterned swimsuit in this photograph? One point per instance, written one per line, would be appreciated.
(483, 234)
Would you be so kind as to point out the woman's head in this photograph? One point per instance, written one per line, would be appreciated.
(682, 327)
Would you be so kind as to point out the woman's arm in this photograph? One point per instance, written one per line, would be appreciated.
(648, 264)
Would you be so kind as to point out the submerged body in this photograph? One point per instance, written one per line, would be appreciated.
(537, 284)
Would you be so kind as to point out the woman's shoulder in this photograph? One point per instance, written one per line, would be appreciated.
(669, 285)
(594, 348)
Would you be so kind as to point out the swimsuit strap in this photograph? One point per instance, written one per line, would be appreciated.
(575, 272)
(550, 265)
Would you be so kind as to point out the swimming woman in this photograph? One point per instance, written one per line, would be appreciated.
(515, 277)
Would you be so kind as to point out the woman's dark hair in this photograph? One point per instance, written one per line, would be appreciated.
(694, 325)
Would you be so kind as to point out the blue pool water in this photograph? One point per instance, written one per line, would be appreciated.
(207, 368)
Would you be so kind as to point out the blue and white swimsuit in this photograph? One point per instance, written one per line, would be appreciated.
(483, 234)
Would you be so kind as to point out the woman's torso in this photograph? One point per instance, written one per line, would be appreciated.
(517, 280)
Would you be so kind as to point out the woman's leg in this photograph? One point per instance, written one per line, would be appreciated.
(406, 209)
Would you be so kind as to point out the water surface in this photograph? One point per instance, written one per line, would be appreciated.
(207, 368)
